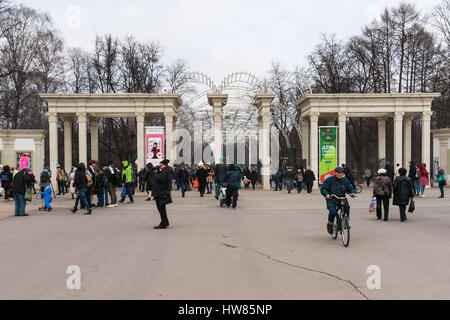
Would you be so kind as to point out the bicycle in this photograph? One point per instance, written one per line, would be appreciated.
(341, 224)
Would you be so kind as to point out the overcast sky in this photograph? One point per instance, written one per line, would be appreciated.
(218, 37)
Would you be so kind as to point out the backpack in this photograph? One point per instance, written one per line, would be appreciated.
(45, 177)
(115, 178)
(89, 181)
(5, 177)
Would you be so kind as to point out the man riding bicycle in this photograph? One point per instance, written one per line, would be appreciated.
(339, 186)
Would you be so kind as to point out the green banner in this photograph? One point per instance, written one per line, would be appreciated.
(327, 151)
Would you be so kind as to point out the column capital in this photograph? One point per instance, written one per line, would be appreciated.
(93, 120)
(382, 120)
(140, 116)
(169, 116)
(398, 116)
(82, 117)
(426, 116)
(342, 116)
(52, 117)
(314, 116)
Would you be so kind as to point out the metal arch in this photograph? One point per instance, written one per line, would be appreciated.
(241, 76)
(198, 77)
(288, 76)
(292, 118)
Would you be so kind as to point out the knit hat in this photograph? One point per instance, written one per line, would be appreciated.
(382, 171)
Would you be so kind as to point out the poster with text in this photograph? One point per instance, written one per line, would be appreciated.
(154, 145)
(328, 151)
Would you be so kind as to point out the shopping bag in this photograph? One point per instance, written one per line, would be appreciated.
(195, 183)
(28, 195)
(124, 192)
(412, 206)
(373, 204)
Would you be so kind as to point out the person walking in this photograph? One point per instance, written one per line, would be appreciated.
(232, 179)
(278, 178)
(413, 176)
(289, 178)
(81, 183)
(114, 181)
(60, 178)
(299, 178)
(21, 182)
(7, 179)
(100, 184)
(71, 180)
(309, 179)
(424, 179)
(403, 192)
(382, 190)
(389, 171)
(220, 170)
(161, 192)
(253, 177)
(368, 176)
(141, 176)
(127, 182)
(183, 179)
(442, 181)
(209, 180)
(202, 174)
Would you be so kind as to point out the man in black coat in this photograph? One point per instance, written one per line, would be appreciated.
(80, 182)
(183, 179)
(219, 172)
(202, 173)
(22, 179)
(161, 192)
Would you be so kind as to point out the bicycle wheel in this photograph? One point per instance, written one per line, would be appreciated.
(335, 227)
(345, 232)
(358, 188)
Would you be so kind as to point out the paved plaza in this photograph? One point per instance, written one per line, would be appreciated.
(274, 246)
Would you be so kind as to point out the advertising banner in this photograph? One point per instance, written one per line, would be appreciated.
(327, 151)
(154, 140)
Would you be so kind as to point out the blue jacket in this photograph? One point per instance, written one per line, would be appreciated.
(47, 193)
(232, 178)
(339, 187)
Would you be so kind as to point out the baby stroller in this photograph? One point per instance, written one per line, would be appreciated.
(222, 196)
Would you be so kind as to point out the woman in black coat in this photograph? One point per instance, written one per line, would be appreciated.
(309, 179)
(149, 180)
(202, 174)
(403, 192)
(161, 192)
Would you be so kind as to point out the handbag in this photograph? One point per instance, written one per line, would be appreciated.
(165, 199)
(412, 206)
(28, 195)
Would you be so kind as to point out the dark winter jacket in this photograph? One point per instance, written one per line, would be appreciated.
(253, 176)
(201, 176)
(309, 178)
(232, 178)
(390, 172)
(161, 185)
(220, 170)
(382, 186)
(183, 176)
(80, 181)
(21, 180)
(412, 172)
(403, 191)
(100, 182)
(7, 178)
(338, 187)
(289, 175)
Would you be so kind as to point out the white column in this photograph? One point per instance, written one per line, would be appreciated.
(381, 138)
(169, 137)
(38, 160)
(305, 140)
(314, 147)
(68, 144)
(426, 132)
(82, 143)
(94, 138)
(53, 143)
(265, 156)
(342, 138)
(443, 154)
(217, 101)
(407, 124)
(8, 152)
(140, 119)
(398, 139)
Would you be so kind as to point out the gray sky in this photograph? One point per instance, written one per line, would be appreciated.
(218, 37)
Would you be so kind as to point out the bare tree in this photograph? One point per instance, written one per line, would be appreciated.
(441, 20)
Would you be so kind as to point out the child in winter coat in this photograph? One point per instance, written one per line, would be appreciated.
(47, 193)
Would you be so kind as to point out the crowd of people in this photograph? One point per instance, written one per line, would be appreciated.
(94, 186)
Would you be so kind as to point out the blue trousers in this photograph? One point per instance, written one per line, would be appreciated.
(441, 188)
(422, 189)
(183, 186)
(299, 186)
(332, 212)
(417, 186)
(101, 199)
(82, 197)
(127, 192)
(20, 204)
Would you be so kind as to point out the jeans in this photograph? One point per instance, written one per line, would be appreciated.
(177, 183)
(61, 186)
(209, 187)
(277, 183)
(201, 189)
(289, 184)
(332, 212)
(20, 204)
(101, 199)
(128, 191)
(112, 192)
(368, 181)
(105, 192)
(422, 190)
(82, 197)
(441, 188)
(416, 187)
(299, 186)
(183, 186)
